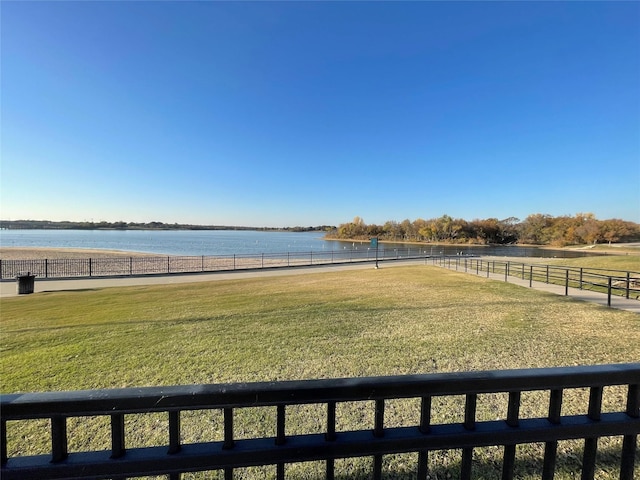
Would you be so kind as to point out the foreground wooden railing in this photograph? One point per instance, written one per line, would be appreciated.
(117, 461)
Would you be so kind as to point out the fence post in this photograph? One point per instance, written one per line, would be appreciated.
(90, 266)
(202, 264)
(628, 283)
(506, 272)
(488, 265)
(46, 270)
(566, 282)
(262, 261)
(530, 276)
(609, 292)
(580, 278)
(234, 261)
(523, 271)
(168, 264)
(547, 274)
(130, 266)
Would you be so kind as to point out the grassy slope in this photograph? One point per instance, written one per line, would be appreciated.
(354, 323)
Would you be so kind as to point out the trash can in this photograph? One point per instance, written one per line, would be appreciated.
(25, 283)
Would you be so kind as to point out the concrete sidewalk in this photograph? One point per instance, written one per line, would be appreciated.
(9, 288)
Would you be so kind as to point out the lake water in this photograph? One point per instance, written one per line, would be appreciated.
(237, 242)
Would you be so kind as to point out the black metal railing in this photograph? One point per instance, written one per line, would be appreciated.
(607, 281)
(377, 440)
(129, 266)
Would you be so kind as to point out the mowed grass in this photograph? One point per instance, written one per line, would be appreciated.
(400, 320)
(628, 263)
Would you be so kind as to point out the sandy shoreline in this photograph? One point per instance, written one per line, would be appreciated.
(39, 253)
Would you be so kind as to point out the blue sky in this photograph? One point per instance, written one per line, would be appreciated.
(308, 113)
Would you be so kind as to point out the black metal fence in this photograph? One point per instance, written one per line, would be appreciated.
(125, 266)
(115, 460)
(610, 282)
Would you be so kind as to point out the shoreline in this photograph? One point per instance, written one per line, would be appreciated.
(38, 253)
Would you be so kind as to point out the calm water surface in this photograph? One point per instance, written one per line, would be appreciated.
(236, 242)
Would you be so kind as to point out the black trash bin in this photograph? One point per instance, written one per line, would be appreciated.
(26, 283)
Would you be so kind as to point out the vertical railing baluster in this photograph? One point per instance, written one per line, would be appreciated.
(228, 429)
(589, 458)
(551, 448)
(530, 276)
(591, 444)
(424, 427)
(377, 467)
(228, 473)
(630, 442)
(117, 435)
(58, 438)
(609, 292)
(467, 463)
(513, 412)
(425, 414)
(555, 406)
(549, 464)
(3, 442)
(423, 466)
(469, 424)
(509, 457)
(330, 469)
(470, 411)
(280, 437)
(508, 462)
(595, 403)
(280, 425)
(378, 429)
(174, 432)
(330, 436)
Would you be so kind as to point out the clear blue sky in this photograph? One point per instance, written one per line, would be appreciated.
(304, 113)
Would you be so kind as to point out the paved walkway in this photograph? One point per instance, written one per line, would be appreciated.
(9, 289)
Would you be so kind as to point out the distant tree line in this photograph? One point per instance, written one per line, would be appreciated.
(67, 225)
(537, 229)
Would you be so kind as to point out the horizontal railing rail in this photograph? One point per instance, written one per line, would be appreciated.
(142, 265)
(176, 457)
(610, 282)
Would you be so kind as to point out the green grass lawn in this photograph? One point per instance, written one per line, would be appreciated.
(629, 263)
(400, 320)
